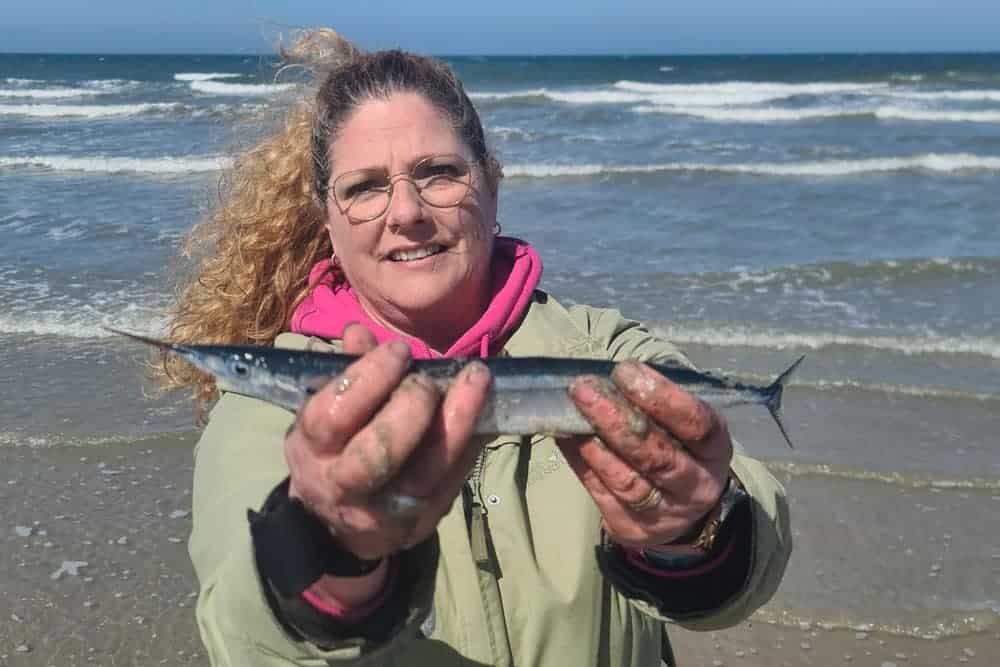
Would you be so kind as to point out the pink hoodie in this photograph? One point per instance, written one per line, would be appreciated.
(516, 269)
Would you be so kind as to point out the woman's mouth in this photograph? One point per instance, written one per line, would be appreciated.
(415, 254)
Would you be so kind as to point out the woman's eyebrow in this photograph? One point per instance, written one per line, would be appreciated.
(412, 163)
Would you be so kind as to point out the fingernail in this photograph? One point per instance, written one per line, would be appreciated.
(420, 380)
(630, 375)
(627, 372)
(399, 349)
(587, 390)
(476, 373)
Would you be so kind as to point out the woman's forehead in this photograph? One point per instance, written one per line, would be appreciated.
(383, 133)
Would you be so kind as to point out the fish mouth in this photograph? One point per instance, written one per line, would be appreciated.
(162, 344)
(186, 352)
(414, 254)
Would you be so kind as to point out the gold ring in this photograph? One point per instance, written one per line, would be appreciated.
(651, 500)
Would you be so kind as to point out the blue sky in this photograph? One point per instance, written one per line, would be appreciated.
(505, 26)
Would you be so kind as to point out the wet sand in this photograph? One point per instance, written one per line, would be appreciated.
(124, 510)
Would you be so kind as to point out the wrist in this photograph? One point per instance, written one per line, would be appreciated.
(695, 546)
(350, 592)
(352, 599)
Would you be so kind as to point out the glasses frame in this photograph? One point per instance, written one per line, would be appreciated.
(407, 175)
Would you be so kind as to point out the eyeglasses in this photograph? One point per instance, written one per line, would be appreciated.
(442, 181)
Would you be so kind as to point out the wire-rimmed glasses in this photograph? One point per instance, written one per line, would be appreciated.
(442, 181)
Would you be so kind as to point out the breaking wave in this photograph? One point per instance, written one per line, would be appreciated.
(84, 323)
(239, 89)
(170, 164)
(740, 92)
(729, 335)
(962, 624)
(205, 76)
(776, 115)
(50, 93)
(901, 479)
(839, 274)
(510, 95)
(883, 388)
(114, 165)
(894, 113)
(86, 111)
(693, 95)
(928, 161)
(952, 95)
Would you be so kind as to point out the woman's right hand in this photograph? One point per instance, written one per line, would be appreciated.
(375, 429)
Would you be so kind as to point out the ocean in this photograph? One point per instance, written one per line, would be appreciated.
(751, 209)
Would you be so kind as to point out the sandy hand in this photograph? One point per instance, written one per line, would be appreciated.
(375, 430)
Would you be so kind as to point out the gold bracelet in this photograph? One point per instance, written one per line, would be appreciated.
(704, 540)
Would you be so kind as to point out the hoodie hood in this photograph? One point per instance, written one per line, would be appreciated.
(516, 270)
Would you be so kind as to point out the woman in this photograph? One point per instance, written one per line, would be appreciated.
(368, 225)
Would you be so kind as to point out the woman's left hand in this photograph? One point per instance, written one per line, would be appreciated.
(660, 459)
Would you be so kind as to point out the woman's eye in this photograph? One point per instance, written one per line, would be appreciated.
(445, 169)
(360, 189)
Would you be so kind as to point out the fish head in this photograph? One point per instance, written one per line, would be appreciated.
(240, 369)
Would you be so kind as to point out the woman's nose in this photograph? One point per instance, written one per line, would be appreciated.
(405, 205)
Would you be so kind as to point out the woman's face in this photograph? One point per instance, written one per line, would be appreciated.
(383, 258)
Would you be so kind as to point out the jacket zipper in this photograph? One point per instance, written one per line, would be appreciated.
(488, 567)
(479, 527)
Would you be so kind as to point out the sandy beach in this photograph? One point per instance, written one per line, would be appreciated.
(94, 570)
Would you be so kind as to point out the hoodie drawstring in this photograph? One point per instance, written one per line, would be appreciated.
(484, 346)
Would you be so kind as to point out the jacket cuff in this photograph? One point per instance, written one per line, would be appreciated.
(411, 587)
(687, 592)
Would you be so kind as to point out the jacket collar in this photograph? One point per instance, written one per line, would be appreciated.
(516, 271)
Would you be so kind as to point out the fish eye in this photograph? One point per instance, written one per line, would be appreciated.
(239, 368)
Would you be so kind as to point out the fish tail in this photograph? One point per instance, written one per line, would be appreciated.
(772, 400)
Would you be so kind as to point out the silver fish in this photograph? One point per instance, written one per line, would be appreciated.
(529, 394)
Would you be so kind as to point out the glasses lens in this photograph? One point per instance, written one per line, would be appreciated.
(442, 180)
(364, 193)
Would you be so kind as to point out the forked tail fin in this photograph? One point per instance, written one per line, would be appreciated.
(773, 400)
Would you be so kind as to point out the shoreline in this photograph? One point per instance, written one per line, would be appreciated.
(124, 510)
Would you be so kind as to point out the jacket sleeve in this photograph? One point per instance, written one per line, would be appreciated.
(238, 461)
(767, 534)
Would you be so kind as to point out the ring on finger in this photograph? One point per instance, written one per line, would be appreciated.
(651, 500)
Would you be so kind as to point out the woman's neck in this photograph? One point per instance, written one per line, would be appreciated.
(439, 327)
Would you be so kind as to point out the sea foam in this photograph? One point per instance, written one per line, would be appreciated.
(752, 115)
(951, 95)
(239, 89)
(111, 165)
(929, 162)
(743, 336)
(895, 113)
(85, 111)
(740, 92)
(49, 93)
(693, 95)
(84, 322)
(205, 76)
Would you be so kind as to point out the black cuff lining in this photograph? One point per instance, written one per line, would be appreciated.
(287, 564)
(304, 622)
(679, 597)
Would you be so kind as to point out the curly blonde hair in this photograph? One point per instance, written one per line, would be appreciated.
(250, 258)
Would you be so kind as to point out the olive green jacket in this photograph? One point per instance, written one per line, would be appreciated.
(541, 599)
